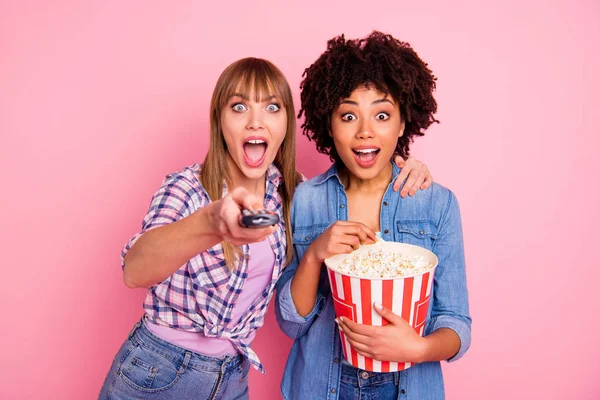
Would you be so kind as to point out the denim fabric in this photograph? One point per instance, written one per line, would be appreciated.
(358, 384)
(147, 367)
(430, 219)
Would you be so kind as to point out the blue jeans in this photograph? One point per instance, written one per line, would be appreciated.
(147, 367)
(358, 384)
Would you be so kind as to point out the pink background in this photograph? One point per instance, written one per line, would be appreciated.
(99, 100)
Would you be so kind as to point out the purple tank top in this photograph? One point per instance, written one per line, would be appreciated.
(260, 270)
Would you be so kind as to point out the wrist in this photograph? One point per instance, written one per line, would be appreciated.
(206, 223)
(310, 257)
(422, 350)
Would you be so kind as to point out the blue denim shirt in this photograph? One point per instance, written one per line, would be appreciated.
(430, 219)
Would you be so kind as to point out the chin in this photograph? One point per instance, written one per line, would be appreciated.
(255, 173)
(367, 173)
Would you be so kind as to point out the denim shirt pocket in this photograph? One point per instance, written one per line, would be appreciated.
(303, 236)
(417, 232)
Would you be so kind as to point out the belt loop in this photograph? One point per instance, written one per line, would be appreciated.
(186, 362)
(134, 329)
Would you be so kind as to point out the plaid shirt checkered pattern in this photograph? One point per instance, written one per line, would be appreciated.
(199, 296)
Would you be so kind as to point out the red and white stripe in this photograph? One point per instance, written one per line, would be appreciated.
(354, 298)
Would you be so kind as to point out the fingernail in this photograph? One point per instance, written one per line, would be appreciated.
(378, 306)
(342, 319)
(337, 321)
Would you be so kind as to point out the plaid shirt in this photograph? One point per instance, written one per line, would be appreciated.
(200, 295)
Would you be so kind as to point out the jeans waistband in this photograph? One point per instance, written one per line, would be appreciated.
(141, 335)
(361, 378)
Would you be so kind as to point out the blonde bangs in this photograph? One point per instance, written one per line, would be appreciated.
(257, 78)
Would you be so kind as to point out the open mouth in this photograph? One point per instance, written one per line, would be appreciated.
(366, 157)
(255, 151)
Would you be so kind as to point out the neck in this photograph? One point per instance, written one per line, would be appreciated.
(255, 186)
(375, 184)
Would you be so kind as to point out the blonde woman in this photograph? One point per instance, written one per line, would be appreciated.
(209, 280)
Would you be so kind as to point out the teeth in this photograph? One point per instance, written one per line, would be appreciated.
(256, 141)
(366, 150)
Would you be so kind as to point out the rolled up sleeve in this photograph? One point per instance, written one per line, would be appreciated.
(170, 203)
(450, 301)
(291, 323)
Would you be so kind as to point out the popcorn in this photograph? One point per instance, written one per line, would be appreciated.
(399, 276)
(383, 264)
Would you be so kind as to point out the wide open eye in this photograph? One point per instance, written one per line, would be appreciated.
(273, 107)
(239, 107)
(382, 116)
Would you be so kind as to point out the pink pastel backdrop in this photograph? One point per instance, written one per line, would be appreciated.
(100, 99)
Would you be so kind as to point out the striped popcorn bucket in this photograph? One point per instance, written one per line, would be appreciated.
(407, 296)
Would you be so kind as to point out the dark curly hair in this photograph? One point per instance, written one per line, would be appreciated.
(379, 60)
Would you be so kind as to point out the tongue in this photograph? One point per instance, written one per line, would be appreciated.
(254, 151)
(366, 156)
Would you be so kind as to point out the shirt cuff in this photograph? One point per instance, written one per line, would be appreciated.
(288, 309)
(462, 330)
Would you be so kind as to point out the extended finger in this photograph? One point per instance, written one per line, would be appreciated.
(357, 228)
(428, 181)
(410, 181)
(357, 337)
(401, 178)
(361, 329)
(361, 349)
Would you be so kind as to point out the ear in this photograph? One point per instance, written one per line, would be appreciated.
(402, 125)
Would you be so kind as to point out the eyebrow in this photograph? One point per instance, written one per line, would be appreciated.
(347, 101)
(245, 98)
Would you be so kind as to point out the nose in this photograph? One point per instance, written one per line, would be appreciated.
(365, 130)
(255, 120)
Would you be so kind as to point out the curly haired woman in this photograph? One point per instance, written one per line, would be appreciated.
(363, 100)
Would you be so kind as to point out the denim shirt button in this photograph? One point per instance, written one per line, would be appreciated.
(364, 375)
(333, 391)
(422, 232)
(307, 238)
(386, 231)
(337, 361)
(403, 391)
(342, 205)
(385, 203)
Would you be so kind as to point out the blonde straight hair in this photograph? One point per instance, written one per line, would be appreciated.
(263, 79)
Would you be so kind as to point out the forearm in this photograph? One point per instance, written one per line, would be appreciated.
(440, 345)
(305, 284)
(159, 252)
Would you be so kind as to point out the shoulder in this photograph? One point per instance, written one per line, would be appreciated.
(311, 189)
(433, 203)
(187, 177)
(441, 195)
(185, 185)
